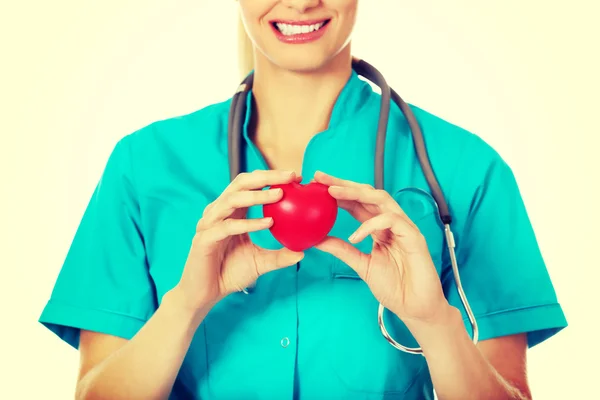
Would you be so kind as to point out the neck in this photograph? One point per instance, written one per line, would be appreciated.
(292, 107)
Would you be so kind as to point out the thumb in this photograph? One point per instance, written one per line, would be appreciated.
(346, 253)
(270, 260)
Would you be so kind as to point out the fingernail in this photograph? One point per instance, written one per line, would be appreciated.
(352, 237)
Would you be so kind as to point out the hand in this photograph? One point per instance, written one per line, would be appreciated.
(399, 270)
(222, 258)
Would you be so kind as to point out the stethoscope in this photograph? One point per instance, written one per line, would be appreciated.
(237, 115)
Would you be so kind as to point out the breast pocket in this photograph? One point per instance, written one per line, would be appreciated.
(362, 358)
(422, 210)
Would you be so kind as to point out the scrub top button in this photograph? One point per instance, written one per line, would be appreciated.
(285, 342)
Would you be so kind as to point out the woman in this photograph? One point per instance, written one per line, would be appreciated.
(151, 289)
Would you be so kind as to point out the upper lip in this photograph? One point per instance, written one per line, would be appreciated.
(295, 22)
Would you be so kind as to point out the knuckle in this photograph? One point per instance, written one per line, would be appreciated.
(261, 174)
(228, 199)
(265, 178)
(234, 201)
(228, 225)
(254, 178)
(207, 209)
(395, 217)
(380, 193)
(267, 194)
(241, 178)
(222, 229)
(256, 197)
(202, 239)
(241, 199)
(203, 223)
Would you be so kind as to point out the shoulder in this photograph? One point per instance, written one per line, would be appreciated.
(466, 166)
(173, 146)
(196, 134)
(456, 150)
(205, 124)
(442, 135)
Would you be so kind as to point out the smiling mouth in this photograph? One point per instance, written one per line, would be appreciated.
(297, 28)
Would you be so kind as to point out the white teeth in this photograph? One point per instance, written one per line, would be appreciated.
(289, 30)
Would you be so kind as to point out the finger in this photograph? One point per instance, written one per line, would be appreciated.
(356, 210)
(225, 206)
(363, 212)
(270, 260)
(260, 179)
(329, 180)
(232, 227)
(394, 222)
(375, 197)
(347, 253)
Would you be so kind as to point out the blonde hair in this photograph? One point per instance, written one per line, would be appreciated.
(245, 49)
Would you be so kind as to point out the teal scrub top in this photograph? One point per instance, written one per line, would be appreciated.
(308, 331)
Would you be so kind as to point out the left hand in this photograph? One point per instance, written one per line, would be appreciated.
(399, 270)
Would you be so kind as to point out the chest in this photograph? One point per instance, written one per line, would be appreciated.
(317, 317)
(173, 204)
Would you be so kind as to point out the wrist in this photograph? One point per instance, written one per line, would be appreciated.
(176, 302)
(446, 323)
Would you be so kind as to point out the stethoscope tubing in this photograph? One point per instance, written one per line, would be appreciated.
(237, 114)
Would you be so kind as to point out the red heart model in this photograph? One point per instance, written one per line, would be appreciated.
(303, 217)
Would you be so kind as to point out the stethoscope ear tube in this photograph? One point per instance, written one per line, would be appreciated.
(371, 73)
(421, 150)
(237, 115)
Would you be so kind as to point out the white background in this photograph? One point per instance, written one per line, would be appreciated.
(79, 75)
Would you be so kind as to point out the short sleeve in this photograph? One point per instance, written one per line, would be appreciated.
(502, 270)
(104, 283)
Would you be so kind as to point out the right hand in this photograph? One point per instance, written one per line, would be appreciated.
(222, 258)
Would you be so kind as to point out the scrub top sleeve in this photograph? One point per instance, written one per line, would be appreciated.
(501, 267)
(104, 284)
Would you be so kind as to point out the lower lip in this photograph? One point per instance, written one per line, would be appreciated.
(301, 37)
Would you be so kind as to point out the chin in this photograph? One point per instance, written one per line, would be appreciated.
(303, 65)
(308, 60)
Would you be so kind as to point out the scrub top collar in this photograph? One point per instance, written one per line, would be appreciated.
(352, 98)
